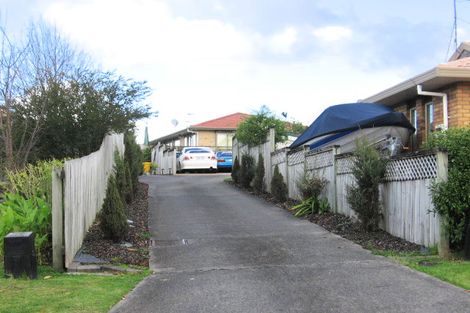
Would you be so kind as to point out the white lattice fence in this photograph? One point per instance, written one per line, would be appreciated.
(412, 168)
(405, 196)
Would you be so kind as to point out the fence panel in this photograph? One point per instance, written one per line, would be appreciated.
(85, 182)
(321, 164)
(296, 170)
(407, 202)
(405, 194)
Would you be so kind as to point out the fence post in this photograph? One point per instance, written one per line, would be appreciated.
(443, 245)
(57, 220)
(333, 180)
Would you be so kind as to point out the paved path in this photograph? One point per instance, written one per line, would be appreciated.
(217, 249)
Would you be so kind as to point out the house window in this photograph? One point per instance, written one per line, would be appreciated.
(414, 123)
(224, 139)
(429, 117)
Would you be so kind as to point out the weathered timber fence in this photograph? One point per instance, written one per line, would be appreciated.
(405, 195)
(165, 158)
(82, 188)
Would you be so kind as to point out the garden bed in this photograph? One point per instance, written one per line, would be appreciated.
(346, 227)
(134, 249)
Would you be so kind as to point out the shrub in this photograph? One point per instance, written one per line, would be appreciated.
(133, 158)
(258, 182)
(310, 186)
(236, 171)
(34, 180)
(450, 198)
(363, 197)
(278, 186)
(247, 170)
(123, 179)
(113, 220)
(18, 214)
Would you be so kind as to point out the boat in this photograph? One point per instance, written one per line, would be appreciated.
(343, 124)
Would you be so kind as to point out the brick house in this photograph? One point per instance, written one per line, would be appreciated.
(216, 134)
(436, 99)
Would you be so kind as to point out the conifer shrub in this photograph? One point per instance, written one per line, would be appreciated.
(133, 157)
(236, 171)
(258, 181)
(247, 170)
(369, 171)
(278, 186)
(113, 220)
(122, 177)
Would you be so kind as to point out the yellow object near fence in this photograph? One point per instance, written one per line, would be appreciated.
(147, 167)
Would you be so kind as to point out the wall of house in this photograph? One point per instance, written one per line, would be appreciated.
(206, 138)
(458, 109)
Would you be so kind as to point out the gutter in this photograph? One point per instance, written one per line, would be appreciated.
(445, 117)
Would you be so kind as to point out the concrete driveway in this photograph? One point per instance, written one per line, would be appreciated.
(217, 249)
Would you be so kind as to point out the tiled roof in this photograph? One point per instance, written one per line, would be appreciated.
(225, 122)
(460, 63)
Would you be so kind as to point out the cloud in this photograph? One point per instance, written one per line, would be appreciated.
(283, 42)
(210, 67)
(332, 33)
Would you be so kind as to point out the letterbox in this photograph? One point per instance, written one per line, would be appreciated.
(20, 255)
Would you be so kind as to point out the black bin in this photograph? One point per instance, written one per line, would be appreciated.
(20, 255)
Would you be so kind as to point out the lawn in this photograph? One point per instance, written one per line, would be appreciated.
(455, 271)
(61, 292)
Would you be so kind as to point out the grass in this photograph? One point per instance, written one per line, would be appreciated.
(61, 292)
(455, 271)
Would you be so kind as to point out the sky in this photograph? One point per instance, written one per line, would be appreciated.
(207, 58)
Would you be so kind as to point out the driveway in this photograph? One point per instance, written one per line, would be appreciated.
(217, 249)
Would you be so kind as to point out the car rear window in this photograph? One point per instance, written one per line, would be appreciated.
(226, 154)
(198, 151)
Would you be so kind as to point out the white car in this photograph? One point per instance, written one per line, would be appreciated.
(196, 158)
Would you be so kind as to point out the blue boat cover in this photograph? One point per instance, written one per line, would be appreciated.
(349, 117)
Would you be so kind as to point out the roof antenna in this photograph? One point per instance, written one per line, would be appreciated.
(455, 24)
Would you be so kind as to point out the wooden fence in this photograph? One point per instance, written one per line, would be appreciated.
(407, 205)
(78, 193)
(165, 158)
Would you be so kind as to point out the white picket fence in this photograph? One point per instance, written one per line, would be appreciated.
(84, 183)
(407, 206)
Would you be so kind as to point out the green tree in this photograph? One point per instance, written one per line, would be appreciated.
(296, 128)
(80, 112)
(254, 130)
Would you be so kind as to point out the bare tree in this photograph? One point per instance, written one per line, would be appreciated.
(28, 72)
